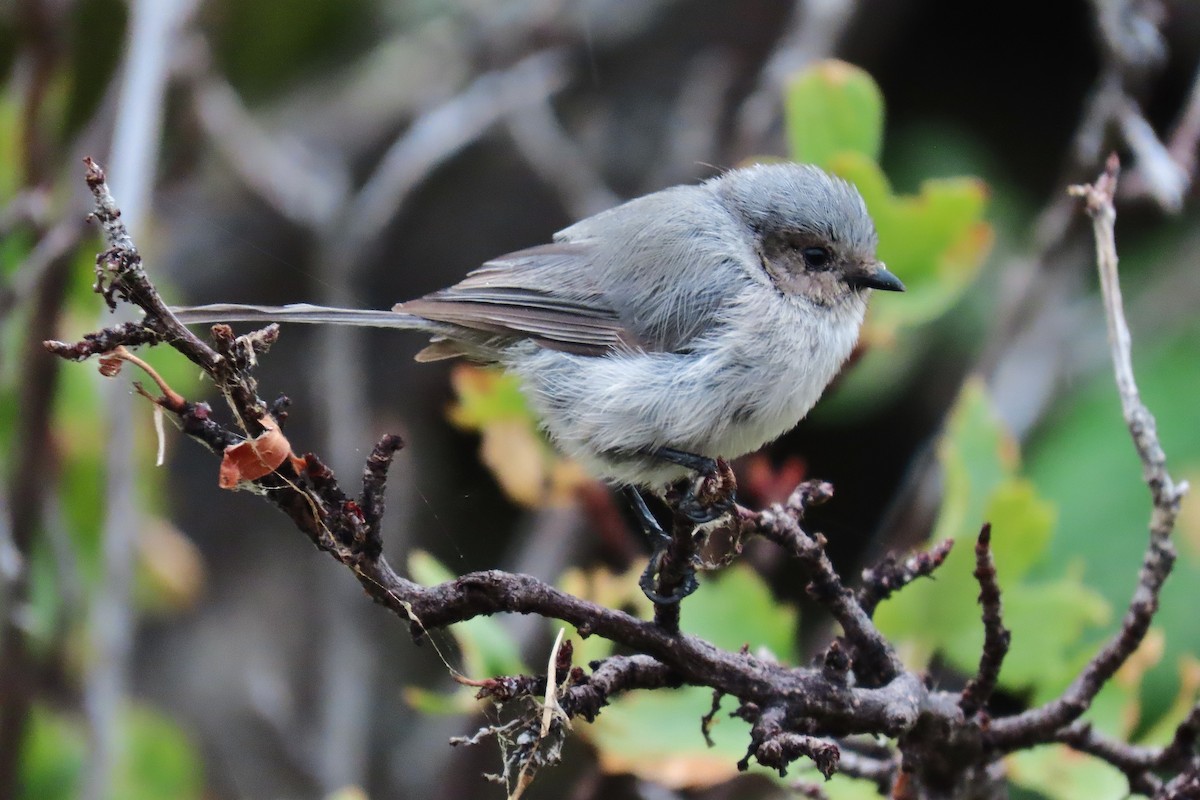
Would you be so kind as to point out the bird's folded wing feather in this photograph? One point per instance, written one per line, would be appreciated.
(543, 294)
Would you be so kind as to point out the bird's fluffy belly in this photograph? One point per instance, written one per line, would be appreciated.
(726, 398)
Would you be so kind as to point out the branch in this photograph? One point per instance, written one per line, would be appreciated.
(874, 657)
(891, 575)
(307, 491)
(1041, 724)
(996, 637)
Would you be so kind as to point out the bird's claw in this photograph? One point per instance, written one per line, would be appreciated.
(647, 582)
(712, 495)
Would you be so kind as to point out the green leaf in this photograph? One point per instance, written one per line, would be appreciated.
(980, 463)
(157, 759)
(1058, 771)
(1048, 621)
(485, 396)
(935, 240)
(656, 736)
(977, 454)
(52, 756)
(1083, 460)
(734, 607)
(833, 107)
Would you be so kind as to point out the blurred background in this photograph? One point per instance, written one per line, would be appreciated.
(165, 638)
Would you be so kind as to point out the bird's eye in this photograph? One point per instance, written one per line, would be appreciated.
(816, 257)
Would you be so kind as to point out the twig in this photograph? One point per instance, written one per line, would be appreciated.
(861, 688)
(374, 480)
(1041, 724)
(890, 576)
(437, 135)
(996, 637)
(814, 30)
(775, 747)
(1137, 763)
(559, 160)
(50, 248)
(1185, 133)
(874, 657)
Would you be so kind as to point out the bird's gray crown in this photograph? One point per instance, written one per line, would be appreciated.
(799, 198)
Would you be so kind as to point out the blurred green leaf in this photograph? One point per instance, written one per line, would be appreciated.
(1082, 459)
(290, 41)
(434, 703)
(656, 736)
(830, 108)
(935, 240)
(1048, 621)
(512, 446)
(980, 464)
(10, 144)
(157, 759)
(976, 454)
(52, 756)
(1062, 773)
(484, 396)
(734, 607)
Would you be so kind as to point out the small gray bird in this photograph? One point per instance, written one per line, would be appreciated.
(689, 324)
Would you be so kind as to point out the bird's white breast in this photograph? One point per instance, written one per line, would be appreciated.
(749, 380)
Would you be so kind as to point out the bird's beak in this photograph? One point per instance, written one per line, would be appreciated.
(875, 276)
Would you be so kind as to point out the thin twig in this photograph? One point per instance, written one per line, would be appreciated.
(1041, 724)
(996, 637)
(891, 575)
(874, 658)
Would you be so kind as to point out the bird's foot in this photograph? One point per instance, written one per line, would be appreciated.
(649, 582)
(710, 495)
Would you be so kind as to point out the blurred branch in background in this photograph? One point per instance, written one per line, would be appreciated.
(153, 34)
(1032, 350)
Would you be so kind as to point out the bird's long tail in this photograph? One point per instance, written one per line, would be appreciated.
(298, 312)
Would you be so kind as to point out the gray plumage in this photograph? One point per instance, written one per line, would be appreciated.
(707, 319)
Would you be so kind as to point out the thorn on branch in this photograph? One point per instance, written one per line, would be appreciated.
(996, 637)
(836, 663)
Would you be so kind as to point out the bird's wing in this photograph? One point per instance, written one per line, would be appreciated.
(542, 294)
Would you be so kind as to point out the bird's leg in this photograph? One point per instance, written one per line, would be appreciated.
(663, 558)
(713, 495)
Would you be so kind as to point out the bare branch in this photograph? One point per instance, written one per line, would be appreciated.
(1041, 724)
(890, 576)
(781, 524)
(996, 637)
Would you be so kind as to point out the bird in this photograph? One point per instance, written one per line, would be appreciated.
(692, 324)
